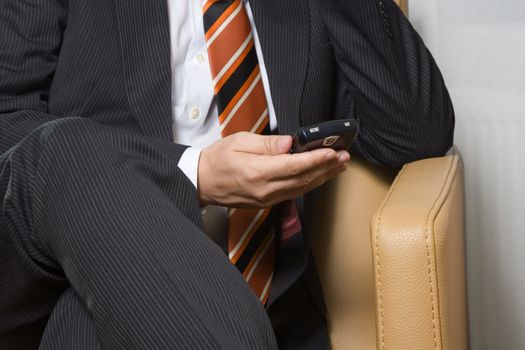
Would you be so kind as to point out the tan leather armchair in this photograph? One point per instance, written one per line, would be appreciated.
(390, 252)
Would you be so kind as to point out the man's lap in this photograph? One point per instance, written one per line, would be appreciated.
(112, 215)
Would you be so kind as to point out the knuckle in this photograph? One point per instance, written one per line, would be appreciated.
(292, 169)
(266, 173)
(306, 182)
(268, 144)
(252, 176)
(262, 196)
(313, 184)
(259, 203)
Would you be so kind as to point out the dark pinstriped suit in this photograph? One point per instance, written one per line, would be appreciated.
(95, 208)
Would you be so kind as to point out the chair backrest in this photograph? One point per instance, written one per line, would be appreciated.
(404, 5)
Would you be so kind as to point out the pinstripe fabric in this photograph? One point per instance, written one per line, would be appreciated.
(70, 328)
(91, 195)
(127, 268)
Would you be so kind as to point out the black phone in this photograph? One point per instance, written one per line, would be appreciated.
(336, 134)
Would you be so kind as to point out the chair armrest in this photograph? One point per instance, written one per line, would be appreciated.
(418, 247)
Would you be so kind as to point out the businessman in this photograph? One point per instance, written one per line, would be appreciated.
(128, 127)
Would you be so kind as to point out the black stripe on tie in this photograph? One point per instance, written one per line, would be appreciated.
(237, 80)
(267, 130)
(262, 232)
(214, 12)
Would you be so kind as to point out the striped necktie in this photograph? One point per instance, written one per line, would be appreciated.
(242, 106)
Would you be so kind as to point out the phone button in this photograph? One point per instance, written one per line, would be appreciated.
(330, 140)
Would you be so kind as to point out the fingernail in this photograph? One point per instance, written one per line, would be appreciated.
(283, 144)
(343, 156)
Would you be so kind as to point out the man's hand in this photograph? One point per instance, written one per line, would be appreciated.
(250, 170)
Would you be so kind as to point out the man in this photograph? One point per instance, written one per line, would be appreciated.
(102, 239)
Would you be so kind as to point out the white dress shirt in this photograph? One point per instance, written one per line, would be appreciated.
(195, 115)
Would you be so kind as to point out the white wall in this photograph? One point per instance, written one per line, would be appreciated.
(480, 47)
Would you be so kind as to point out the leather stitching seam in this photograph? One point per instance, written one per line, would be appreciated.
(378, 263)
(427, 233)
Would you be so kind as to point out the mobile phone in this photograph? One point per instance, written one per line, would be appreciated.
(336, 134)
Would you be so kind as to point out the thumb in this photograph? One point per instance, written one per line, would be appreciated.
(263, 144)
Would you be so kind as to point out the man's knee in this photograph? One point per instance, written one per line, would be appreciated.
(76, 168)
(74, 141)
(28, 169)
(50, 142)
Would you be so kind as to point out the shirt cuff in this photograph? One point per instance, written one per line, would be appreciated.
(189, 163)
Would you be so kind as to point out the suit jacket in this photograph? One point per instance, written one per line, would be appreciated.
(109, 61)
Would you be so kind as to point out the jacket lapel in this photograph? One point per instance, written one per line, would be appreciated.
(145, 46)
(284, 29)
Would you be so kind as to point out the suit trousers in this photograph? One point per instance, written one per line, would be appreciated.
(106, 218)
(297, 324)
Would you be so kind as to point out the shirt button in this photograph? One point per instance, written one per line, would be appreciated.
(200, 58)
(195, 113)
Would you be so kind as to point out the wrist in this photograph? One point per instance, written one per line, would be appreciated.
(202, 179)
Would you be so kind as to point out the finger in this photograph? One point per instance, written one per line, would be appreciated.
(261, 144)
(276, 191)
(343, 156)
(296, 186)
(293, 165)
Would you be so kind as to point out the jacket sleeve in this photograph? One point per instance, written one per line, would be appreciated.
(31, 34)
(30, 39)
(399, 96)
